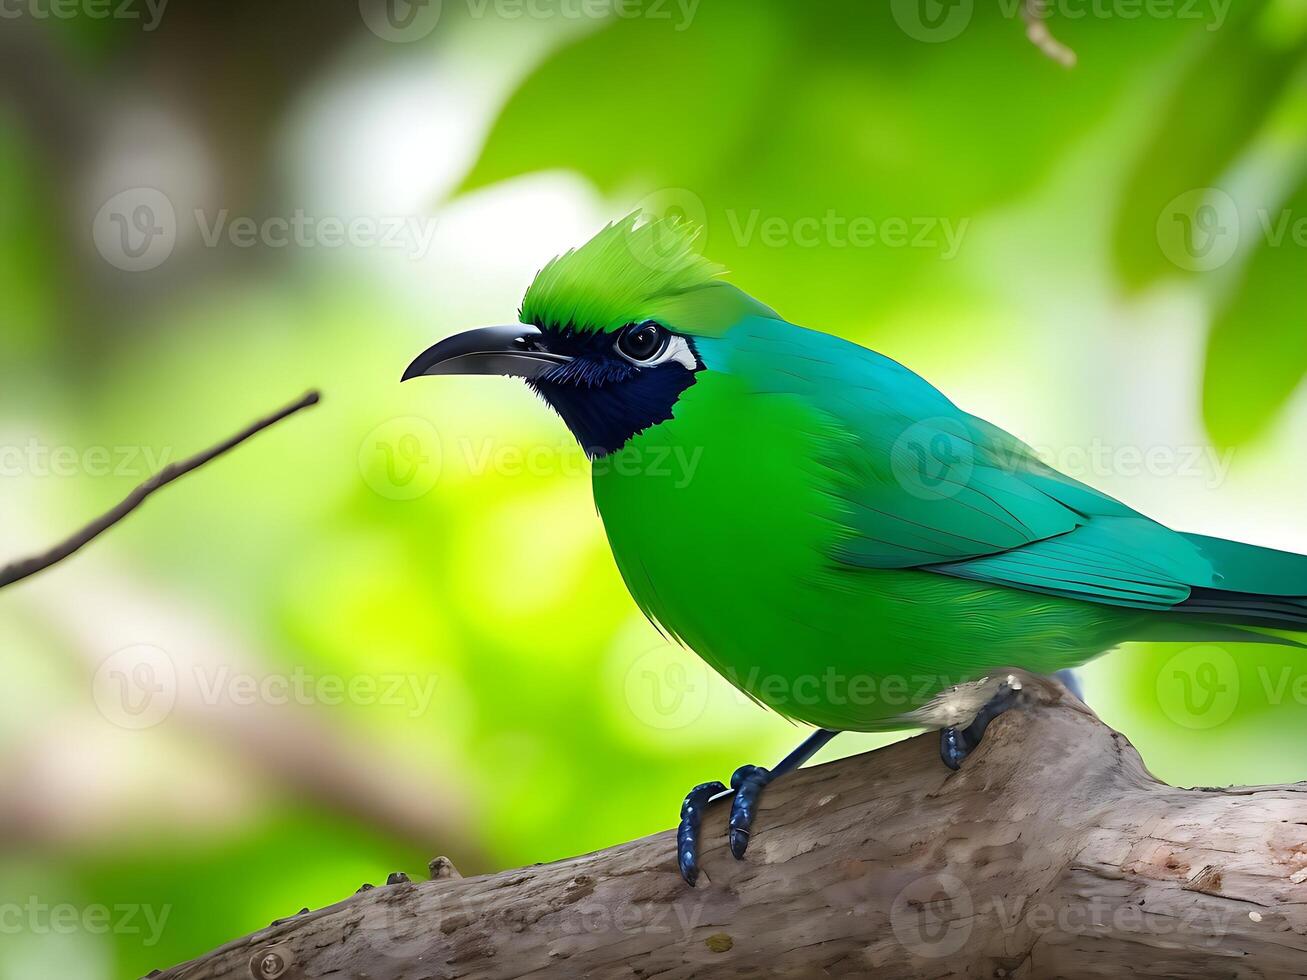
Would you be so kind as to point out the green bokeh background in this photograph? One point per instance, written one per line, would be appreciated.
(1108, 260)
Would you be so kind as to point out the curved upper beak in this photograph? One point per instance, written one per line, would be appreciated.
(515, 350)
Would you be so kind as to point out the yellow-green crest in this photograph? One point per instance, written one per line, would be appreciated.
(631, 271)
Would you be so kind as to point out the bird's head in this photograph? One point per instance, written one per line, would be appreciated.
(609, 332)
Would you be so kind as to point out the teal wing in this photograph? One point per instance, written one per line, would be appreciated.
(922, 484)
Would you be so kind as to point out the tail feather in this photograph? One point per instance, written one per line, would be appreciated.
(1253, 570)
(1247, 609)
(1258, 587)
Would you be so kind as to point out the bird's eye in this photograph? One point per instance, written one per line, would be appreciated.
(642, 341)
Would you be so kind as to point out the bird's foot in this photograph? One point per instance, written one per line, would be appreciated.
(748, 783)
(745, 790)
(956, 743)
(687, 834)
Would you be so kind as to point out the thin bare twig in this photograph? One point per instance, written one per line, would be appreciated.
(1035, 14)
(18, 570)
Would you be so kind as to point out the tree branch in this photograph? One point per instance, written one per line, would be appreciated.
(18, 570)
(1052, 852)
(1035, 14)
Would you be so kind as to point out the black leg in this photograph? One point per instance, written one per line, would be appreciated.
(955, 744)
(746, 787)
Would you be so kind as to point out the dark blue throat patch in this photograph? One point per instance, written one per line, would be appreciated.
(605, 399)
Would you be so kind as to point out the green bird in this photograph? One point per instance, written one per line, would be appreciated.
(826, 529)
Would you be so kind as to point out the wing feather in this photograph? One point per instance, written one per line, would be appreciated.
(922, 484)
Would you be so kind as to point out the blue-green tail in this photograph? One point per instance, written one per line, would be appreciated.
(1258, 587)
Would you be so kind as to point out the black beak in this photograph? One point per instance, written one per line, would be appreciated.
(515, 351)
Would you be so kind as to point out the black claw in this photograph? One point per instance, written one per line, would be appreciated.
(952, 747)
(956, 744)
(687, 834)
(748, 783)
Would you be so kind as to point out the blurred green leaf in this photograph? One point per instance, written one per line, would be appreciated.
(620, 99)
(783, 128)
(27, 269)
(1257, 351)
(1214, 108)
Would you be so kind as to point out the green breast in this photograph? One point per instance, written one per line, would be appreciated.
(710, 518)
(721, 521)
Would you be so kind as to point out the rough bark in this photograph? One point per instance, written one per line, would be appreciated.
(1051, 853)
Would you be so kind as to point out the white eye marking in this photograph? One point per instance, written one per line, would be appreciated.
(677, 349)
